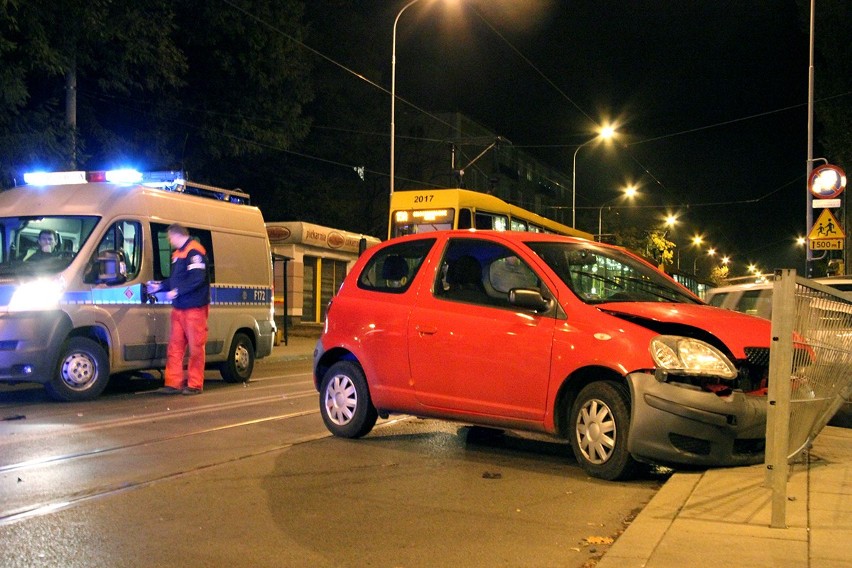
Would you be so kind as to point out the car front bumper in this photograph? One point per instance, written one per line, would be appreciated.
(673, 424)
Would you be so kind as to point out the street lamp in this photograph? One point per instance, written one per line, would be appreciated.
(629, 192)
(696, 240)
(605, 133)
(393, 96)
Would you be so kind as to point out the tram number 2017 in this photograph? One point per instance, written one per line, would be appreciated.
(423, 198)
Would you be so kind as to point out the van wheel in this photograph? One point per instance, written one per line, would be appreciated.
(82, 371)
(600, 419)
(345, 402)
(240, 363)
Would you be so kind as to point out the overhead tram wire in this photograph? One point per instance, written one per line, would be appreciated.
(335, 63)
(527, 61)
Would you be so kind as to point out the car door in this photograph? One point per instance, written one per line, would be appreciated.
(470, 350)
(121, 303)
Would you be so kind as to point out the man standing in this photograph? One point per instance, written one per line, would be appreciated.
(188, 288)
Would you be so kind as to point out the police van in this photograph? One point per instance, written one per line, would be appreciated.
(76, 249)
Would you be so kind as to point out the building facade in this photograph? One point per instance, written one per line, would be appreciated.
(311, 262)
(451, 150)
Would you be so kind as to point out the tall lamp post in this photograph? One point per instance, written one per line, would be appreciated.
(605, 134)
(696, 240)
(710, 252)
(670, 222)
(629, 192)
(393, 96)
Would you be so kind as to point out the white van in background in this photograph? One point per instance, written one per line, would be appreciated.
(71, 319)
(755, 297)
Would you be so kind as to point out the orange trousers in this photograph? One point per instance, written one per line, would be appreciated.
(188, 329)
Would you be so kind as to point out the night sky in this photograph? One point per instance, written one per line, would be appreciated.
(710, 99)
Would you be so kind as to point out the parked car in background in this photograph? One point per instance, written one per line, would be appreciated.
(538, 332)
(755, 297)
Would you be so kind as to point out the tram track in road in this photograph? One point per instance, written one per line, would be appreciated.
(40, 509)
(51, 454)
(149, 417)
(20, 514)
(54, 417)
(52, 460)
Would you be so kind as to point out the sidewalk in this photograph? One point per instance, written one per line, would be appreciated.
(721, 517)
(300, 345)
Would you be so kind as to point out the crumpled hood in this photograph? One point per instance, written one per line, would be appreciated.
(737, 331)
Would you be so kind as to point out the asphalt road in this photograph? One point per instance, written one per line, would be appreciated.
(247, 475)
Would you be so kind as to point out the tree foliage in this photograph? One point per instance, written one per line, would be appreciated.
(211, 87)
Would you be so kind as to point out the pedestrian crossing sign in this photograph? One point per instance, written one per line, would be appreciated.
(826, 227)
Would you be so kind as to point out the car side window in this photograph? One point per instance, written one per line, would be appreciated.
(718, 299)
(163, 250)
(482, 272)
(123, 239)
(756, 302)
(393, 268)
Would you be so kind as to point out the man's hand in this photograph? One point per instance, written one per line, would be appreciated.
(172, 294)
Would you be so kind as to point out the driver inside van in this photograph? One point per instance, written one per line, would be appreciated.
(46, 247)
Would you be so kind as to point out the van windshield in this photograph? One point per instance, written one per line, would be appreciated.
(41, 245)
(597, 274)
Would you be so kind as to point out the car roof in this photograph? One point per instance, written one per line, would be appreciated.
(832, 281)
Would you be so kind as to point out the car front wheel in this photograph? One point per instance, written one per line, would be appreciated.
(600, 418)
(82, 372)
(345, 402)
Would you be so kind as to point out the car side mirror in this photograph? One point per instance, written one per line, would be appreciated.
(111, 267)
(528, 298)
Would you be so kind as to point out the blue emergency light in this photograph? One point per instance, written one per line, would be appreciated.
(169, 180)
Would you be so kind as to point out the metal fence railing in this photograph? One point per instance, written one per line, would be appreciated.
(810, 373)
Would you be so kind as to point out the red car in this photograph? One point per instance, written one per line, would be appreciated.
(537, 332)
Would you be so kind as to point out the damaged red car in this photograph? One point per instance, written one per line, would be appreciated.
(528, 331)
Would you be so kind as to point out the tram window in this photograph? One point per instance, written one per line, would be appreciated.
(490, 221)
(464, 219)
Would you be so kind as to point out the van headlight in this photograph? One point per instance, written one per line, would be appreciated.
(686, 356)
(37, 295)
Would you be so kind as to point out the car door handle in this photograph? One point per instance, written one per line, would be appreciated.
(426, 330)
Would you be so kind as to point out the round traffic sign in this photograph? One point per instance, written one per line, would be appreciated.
(827, 182)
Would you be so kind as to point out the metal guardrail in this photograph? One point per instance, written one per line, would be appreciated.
(810, 373)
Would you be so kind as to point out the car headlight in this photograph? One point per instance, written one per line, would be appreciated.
(686, 356)
(38, 295)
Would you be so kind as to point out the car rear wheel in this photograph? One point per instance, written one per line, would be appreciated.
(240, 363)
(600, 419)
(345, 402)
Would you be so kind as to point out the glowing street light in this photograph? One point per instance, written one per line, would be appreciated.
(697, 240)
(629, 193)
(605, 133)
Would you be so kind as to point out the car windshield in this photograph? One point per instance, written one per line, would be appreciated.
(41, 245)
(597, 274)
